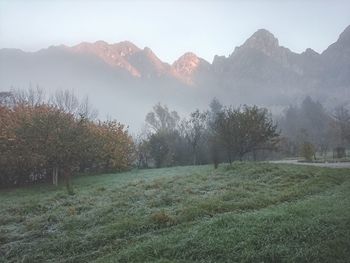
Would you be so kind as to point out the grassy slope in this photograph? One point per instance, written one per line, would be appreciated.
(244, 213)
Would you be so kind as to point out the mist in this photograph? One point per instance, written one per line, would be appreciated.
(174, 131)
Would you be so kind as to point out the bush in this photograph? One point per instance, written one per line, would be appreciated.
(308, 151)
(37, 139)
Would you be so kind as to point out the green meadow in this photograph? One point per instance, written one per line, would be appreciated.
(246, 212)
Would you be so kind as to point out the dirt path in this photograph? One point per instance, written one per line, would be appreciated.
(329, 165)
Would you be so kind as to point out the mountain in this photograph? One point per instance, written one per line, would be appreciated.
(124, 80)
(190, 68)
(278, 75)
(115, 55)
(336, 64)
(262, 66)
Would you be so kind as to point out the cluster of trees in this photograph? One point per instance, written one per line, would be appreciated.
(213, 136)
(225, 134)
(43, 140)
(47, 139)
(310, 128)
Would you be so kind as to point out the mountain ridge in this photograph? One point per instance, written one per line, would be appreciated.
(260, 71)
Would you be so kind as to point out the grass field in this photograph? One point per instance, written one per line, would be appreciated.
(247, 212)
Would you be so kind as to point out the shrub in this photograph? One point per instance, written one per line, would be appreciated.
(307, 151)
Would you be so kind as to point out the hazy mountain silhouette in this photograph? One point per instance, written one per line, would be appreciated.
(125, 81)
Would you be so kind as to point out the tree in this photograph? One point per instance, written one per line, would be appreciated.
(116, 146)
(142, 148)
(307, 151)
(164, 137)
(53, 134)
(17, 157)
(312, 119)
(342, 117)
(215, 110)
(66, 101)
(226, 130)
(30, 97)
(159, 149)
(59, 137)
(161, 119)
(194, 129)
(245, 129)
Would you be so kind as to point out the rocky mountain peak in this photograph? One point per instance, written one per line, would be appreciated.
(102, 48)
(309, 52)
(100, 43)
(113, 54)
(189, 55)
(261, 40)
(125, 48)
(187, 63)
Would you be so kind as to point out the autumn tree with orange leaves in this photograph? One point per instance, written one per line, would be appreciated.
(38, 137)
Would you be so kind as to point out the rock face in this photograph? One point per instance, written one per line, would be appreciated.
(189, 68)
(263, 41)
(126, 56)
(336, 64)
(260, 71)
(280, 75)
(143, 63)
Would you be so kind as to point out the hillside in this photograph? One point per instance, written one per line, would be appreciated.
(260, 71)
(250, 212)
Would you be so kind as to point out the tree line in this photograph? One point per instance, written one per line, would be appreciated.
(227, 133)
(43, 140)
(220, 134)
(309, 128)
(49, 140)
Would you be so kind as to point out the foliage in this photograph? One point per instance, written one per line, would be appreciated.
(310, 122)
(194, 129)
(166, 145)
(161, 119)
(37, 137)
(307, 151)
(142, 152)
(160, 149)
(245, 129)
(206, 135)
(342, 116)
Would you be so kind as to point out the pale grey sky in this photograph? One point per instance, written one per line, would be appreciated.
(171, 28)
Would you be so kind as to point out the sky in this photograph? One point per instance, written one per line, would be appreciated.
(171, 28)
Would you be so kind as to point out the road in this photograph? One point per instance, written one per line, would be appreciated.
(329, 165)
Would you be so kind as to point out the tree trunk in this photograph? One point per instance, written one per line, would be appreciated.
(214, 153)
(216, 164)
(67, 177)
(229, 157)
(55, 176)
(254, 156)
